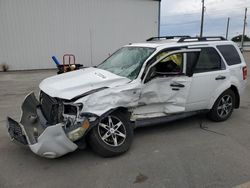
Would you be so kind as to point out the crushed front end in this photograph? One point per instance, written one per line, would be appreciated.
(51, 127)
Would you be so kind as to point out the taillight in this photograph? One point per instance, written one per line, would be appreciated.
(244, 72)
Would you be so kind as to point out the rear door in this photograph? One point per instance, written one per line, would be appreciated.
(209, 76)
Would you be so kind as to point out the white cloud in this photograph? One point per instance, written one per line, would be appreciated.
(183, 16)
(194, 6)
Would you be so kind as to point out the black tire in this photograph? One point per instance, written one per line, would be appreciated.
(222, 110)
(108, 147)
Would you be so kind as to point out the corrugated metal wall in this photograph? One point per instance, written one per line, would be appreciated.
(31, 31)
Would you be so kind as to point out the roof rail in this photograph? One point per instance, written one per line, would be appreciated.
(167, 37)
(200, 39)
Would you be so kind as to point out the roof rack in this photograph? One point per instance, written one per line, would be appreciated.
(167, 37)
(200, 39)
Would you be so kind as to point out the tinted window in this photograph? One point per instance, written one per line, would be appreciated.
(192, 58)
(209, 60)
(230, 54)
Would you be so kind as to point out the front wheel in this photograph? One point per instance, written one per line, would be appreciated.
(223, 106)
(112, 136)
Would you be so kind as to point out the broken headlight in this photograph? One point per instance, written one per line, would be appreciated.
(70, 109)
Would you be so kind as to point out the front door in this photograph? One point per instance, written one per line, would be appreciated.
(166, 87)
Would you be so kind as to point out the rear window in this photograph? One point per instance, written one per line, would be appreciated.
(209, 60)
(230, 54)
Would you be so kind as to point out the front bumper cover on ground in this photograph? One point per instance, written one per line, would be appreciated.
(44, 140)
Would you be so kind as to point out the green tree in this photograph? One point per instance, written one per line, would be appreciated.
(238, 38)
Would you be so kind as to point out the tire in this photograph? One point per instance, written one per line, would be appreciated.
(118, 134)
(223, 106)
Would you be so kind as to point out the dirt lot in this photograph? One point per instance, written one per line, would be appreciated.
(177, 154)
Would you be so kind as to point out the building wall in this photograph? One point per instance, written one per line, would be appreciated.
(32, 31)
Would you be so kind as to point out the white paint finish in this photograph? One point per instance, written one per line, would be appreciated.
(204, 96)
(53, 143)
(204, 87)
(32, 31)
(72, 84)
(125, 95)
(120, 92)
(157, 96)
(141, 98)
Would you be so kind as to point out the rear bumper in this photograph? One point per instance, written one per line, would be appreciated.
(45, 140)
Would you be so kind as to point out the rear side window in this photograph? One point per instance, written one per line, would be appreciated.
(230, 54)
(209, 60)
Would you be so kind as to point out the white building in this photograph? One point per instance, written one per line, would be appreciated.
(32, 31)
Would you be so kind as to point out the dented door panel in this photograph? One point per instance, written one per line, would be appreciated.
(160, 96)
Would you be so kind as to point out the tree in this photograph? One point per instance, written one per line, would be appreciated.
(238, 38)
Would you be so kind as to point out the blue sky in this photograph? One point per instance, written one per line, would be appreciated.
(182, 17)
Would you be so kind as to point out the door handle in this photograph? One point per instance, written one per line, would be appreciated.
(220, 77)
(175, 89)
(141, 103)
(177, 85)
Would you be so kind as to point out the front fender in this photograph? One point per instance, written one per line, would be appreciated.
(99, 103)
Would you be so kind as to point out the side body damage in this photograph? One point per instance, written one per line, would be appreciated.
(133, 86)
(51, 127)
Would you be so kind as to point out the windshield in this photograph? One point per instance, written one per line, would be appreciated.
(127, 61)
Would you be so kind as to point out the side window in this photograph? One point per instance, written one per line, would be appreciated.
(209, 60)
(156, 57)
(230, 54)
(170, 65)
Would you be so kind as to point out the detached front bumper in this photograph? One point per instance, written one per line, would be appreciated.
(45, 140)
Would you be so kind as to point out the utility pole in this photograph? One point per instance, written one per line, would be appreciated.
(202, 18)
(228, 20)
(244, 28)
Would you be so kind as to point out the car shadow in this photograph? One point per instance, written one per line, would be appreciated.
(192, 122)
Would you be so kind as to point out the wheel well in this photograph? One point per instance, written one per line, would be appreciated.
(237, 96)
(121, 109)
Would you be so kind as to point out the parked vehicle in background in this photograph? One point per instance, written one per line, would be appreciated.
(163, 79)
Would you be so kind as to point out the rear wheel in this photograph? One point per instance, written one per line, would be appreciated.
(112, 136)
(223, 106)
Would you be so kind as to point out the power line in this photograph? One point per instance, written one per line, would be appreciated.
(207, 11)
(181, 23)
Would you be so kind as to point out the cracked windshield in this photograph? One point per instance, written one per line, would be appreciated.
(127, 61)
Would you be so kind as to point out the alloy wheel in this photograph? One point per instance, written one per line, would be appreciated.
(225, 106)
(112, 131)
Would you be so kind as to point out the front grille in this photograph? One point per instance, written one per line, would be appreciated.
(50, 108)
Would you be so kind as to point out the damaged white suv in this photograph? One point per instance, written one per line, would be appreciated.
(163, 79)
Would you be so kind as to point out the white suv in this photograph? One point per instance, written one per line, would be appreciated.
(163, 79)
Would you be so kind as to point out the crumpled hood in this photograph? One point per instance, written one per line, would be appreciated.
(71, 84)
